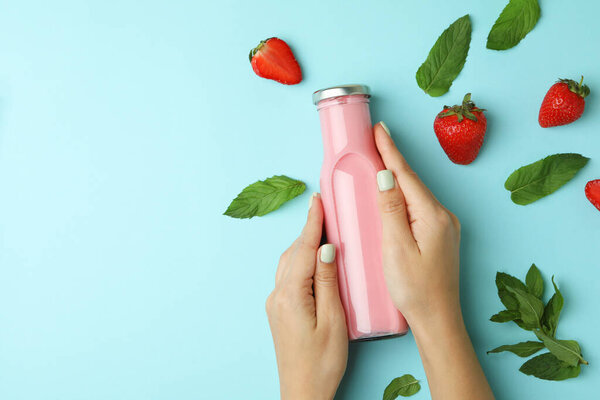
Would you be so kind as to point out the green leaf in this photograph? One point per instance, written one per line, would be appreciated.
(552, 312)
(530, 307)
(516, 20)
(522, 325)
(565, 350)
(446, 58)
(535, 282)
(543, 177)
(404, 386)
(505, 316)
(504, 280)
(262, 197)
(523, 349)
(547, 366)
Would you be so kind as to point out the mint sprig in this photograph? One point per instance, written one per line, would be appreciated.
(262, 197)
(524, 306)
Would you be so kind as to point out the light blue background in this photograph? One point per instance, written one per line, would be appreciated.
(127, 127)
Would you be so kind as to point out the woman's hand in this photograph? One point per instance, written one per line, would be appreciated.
(421, 241)
(306, 316)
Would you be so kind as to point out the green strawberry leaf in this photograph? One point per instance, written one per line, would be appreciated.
(547, 366)
(446, 58)
(530, 307)
(565, 350)
(523, 349)
(516, 20)
(535, 282)
(505, 316)
(404, 386)
(262, 197)
(552, 312)
(534, 181)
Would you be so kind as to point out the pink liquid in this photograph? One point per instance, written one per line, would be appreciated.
(352, 221)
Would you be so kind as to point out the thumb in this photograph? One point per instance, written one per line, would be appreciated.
(392, 207)
(327, 295)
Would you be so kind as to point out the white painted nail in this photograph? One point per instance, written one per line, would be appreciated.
(385, 180)
(310, 201)
(328, 253)
(385, 128)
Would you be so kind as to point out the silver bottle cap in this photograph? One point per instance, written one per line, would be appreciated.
(337, 91)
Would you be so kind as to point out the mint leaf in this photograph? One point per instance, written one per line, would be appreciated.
(505, 316)
(404, 386)
(522, 325)
(523, 349)
(530, 307)
(262, 197)
(552, 312)
(534, 181)
(516, 20)
(504, 280)
(446, 58)
(547, 366)
(565, 350)
(535, 282)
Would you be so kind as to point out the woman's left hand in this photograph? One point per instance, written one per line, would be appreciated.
(306, 316)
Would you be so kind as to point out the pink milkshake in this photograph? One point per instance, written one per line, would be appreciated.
(352, 221)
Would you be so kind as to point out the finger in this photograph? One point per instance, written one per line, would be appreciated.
(327, 295)
(301, 267)
(393, 211)
(415, 191)
(283, 262)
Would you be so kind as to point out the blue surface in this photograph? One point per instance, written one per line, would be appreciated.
(127, 127)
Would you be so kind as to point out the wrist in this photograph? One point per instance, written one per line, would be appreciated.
(435, 315)
(442, 318)
(441, 338)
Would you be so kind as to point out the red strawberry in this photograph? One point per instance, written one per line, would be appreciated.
(460, 130)
(273, 59)
(563, 104)
(592, 192)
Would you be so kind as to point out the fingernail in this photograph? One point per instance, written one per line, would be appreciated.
(310, 201)
(327, 253)
(385, 180)
(385, 128)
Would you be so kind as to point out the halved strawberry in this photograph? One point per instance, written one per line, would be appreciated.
(273, 59)
(592, 192)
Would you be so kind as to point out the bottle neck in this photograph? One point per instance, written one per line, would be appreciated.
(345, 124)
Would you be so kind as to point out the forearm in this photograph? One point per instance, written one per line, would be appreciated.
(451, 365)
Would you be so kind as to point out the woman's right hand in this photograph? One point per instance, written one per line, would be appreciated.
(421, 241)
